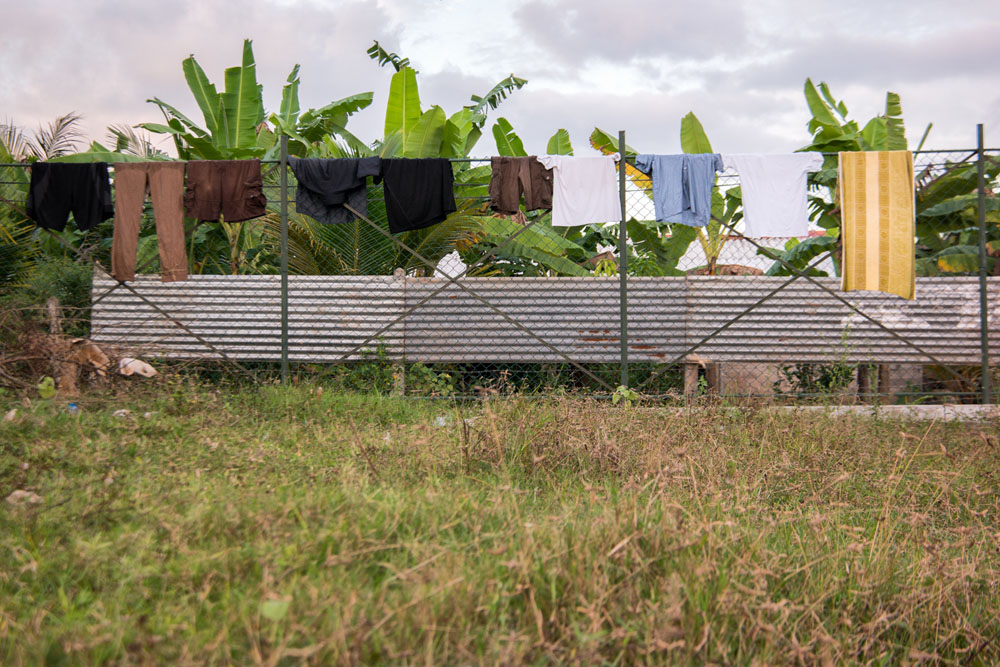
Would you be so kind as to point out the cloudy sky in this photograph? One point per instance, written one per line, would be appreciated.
(635, 65)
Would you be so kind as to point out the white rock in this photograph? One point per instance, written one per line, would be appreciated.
(130, 366)
(22, 497)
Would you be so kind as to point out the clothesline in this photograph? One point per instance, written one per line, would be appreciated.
(628, 157)
(419, 192)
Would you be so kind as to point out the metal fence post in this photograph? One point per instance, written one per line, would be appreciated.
(984, 313)
(622, 262)
(284, 258)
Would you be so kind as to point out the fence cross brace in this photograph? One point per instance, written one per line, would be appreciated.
(470, 292)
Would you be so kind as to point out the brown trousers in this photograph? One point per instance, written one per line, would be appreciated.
(165, 182)
(513, 175)
(232, 188)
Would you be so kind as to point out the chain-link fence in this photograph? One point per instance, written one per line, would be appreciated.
(766, 317)
(484, 302)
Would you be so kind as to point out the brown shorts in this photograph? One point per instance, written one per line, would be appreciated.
(232, 188)
(514, 175)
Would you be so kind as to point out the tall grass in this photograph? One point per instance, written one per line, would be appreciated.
(284, 525)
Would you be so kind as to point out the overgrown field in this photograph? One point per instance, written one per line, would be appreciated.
(277, 526)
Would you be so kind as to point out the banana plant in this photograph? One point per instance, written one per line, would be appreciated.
(946, 199)
(231, 117)
(656, 248)
(726, 208)
(537, 249)
(408, 131)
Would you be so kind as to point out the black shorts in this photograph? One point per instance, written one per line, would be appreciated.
(60, 188)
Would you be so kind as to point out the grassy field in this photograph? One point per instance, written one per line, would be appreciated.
(279, 526)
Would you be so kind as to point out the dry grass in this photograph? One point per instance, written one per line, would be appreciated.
(277, 526)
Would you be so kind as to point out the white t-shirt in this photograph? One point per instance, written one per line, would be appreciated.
(774, 192)
(584, 189)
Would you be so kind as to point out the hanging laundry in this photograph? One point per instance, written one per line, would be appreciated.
(584, 189)
(879, 224)
(418, 192)
(232, 188)
(774, 192)
(326, 185)
(512, 176)
(165, 184)
(682, 185)
(57, 189)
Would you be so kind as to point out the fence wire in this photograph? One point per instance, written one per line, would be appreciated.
(752, 332)
(486, 303)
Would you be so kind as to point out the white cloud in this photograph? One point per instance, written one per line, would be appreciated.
(635, 65)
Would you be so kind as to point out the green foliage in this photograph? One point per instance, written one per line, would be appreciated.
(693, 137)
(800, 254)
(559, 143)
(496, 95)
(402, 110)
(62, 277)
(664, 250)
(658, 253)
(425, 138)
(508, 143)
(19, 248)
(377, 372)
(535, 248)
(624, 395)
(946, 222)
(46, 388)
(376, 52)
(422, 380)
(607, 268)
(354, 248)
(231, 117)
(816, 379)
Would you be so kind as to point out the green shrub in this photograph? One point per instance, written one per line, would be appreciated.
(59, 277)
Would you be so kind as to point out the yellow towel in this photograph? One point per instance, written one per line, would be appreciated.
(876, 202)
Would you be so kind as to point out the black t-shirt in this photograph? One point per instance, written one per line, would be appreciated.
(418, 192)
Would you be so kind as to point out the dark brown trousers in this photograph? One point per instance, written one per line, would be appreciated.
(514, 175)
(230, 188)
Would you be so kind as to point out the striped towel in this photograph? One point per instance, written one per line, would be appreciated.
(876, 202)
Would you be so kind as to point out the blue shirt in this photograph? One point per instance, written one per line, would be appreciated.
(682, 185)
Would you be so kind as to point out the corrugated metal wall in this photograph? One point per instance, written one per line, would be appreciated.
(804, 323)
(332, 318)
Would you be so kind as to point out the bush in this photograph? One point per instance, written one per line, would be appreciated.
(59, 277)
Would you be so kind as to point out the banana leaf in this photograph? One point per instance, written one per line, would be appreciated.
(425, 138)
(242, 106)
(693, 137)
(508, 143)
(559, 143)
(204, 93)
(403, 108)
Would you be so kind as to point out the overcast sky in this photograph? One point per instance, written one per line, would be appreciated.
(630, 64)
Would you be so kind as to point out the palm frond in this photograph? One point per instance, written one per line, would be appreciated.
(60, 137)
(127, 140)
(19, 250)
(16, 144)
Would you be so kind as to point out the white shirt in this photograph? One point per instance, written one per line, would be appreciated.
(584, 189)
(774, 192)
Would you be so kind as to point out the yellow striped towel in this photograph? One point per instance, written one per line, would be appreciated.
(876, 202)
